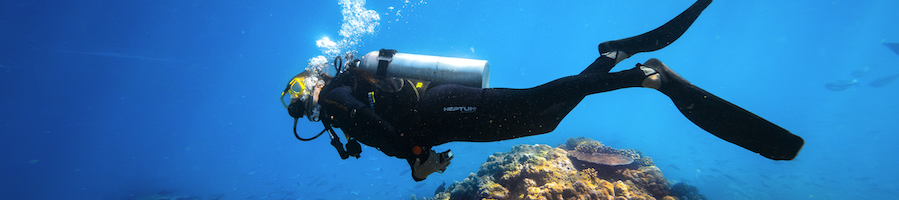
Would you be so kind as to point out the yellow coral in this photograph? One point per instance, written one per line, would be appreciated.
(543, 172)
(621, 189)
(495, 190)
(534, 190)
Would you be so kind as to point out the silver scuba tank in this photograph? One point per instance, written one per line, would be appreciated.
(435, 69)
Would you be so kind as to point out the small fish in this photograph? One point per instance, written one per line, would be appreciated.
(674, 166)
(884, 81)
(404, 172)
(730, 177)
(830, 180)
(377, 169)
(334, 188)
(816, 184)
(440, 188)
(840, 85)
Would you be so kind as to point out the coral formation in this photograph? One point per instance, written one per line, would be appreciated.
(589, 150)
(602, 158)
(582, 168)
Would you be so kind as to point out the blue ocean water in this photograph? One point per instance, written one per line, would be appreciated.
(124, 99)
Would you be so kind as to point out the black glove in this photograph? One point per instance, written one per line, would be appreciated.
(353, 148)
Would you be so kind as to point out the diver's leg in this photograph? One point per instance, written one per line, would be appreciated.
(603, 64)
(617, 50)
(721, 118)
(503, 113)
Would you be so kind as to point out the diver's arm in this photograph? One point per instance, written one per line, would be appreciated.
(353, 116)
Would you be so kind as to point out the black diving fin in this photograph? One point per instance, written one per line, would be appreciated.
(726, 120)
(655, 39)
(660, 37)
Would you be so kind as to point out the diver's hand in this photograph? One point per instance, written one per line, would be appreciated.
(353, 148)
(435, 163)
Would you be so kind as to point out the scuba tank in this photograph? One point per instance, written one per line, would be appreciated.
(435, 69)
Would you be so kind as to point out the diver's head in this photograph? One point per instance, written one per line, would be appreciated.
(303, 90)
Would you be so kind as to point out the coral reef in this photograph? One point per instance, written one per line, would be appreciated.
(582, 168)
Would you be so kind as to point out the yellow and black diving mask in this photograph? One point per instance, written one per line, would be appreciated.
(301, 88)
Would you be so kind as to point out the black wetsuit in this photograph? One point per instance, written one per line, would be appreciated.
(398, 117)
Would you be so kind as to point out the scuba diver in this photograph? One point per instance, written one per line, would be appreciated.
(405, 104)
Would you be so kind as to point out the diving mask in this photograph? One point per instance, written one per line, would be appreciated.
(301, 90)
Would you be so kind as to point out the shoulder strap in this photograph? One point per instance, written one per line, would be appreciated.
(384, 58)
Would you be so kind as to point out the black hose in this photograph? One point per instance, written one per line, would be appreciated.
(338, 61)
(298, 136)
